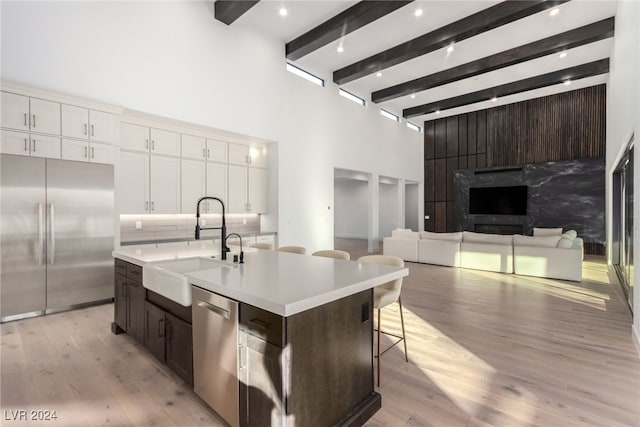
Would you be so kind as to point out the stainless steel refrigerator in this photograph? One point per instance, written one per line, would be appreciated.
(56, 235)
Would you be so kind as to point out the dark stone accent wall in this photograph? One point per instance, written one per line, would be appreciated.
(565, 126)
(567, 194)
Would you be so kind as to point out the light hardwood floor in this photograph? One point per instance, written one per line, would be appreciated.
(484, 349)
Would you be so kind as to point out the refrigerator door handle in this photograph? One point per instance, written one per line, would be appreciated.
(41, 227)
(52, 234)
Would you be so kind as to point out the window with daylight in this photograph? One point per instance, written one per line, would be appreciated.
(302, 73)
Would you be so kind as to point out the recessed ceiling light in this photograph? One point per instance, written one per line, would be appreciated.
(562, 55)
(418, 12)
(340, 49)
(567, 82)
(554, 11)
(283, 11)
(413, 96)
(494, 99)
(450, 48)
(378, 74)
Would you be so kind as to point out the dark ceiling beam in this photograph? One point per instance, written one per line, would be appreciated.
(580, 36)
(472, 25)
(228, 11)
(574, 73)
(357, 16)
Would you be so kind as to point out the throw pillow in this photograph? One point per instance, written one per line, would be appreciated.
(571, 234)
(565, 243)
(547, 231)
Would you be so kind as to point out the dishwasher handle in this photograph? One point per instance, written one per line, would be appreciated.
(215, 309)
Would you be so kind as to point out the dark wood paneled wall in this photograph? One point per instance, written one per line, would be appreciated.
(565, 126)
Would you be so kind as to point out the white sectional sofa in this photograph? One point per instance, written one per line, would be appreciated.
(548, 253)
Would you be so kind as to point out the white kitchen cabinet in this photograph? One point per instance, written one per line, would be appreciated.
(217, 174)
(258, 157)
(247, 189)
(217, 151)
(164, 190)
(21, 112)
(193, 173)
(134, 137)
(164, 142)
(15, 143)
(257, 190)
(45, 146)
(238, 154)
(237, 189)
(193, 147)
(78, 122)
(133, 185)
(85, 151)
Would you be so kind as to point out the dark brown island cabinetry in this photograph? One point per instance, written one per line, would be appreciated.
(161, 325)
(311, 369)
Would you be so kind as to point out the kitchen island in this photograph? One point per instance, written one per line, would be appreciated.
(302, 342)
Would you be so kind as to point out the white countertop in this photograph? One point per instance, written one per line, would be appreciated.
(279, 282)
(145, 255)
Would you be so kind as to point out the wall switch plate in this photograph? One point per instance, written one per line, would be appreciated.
(203, 222)
(138, 225)
(244, 221)
(426, 217)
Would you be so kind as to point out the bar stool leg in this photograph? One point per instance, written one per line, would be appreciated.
(404, 338)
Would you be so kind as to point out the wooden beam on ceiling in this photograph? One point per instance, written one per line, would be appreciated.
(355, 17)
(228, 11)
(573, 73)
(472, 25)
(580, 36)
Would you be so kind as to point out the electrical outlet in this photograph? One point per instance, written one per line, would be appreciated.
(426, 217)
(244, 221)
(138, 225)
(203, 222)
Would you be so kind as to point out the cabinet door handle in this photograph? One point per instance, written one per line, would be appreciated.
(208, 153)
(85, 152)
(125, 292)
(203, 153)
(146, 144)
(25, 119)
(34, 145)
(93, 153)
(85, 128)
(25, 145)
(92, 133)
(146, 206)
(153, 206)
(260, 324)
(52, 231)
(34, 120)
(153, 144)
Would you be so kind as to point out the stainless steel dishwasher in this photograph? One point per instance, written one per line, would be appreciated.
(215, 352)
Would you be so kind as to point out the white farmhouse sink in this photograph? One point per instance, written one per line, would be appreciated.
(167, 278)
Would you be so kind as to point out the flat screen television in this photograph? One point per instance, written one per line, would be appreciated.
(498, 200)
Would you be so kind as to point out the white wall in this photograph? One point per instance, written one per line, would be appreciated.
(623, 117)
(351, 208)
(173, 59)
(388, 209)
(411, 207)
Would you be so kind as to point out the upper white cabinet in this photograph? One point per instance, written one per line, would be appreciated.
(254, 156)
(217, 175)
(24, 113)
(193, 173)
(217, 151)
(193, 147)
(257, 190)
(134, 137)
(156, 141)
(78, 122)
(84, 151)
(28, 144)
(164, 191)
(133, 183)
(237, 189)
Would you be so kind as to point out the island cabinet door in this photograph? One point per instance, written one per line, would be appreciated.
(331, 362)
(135, 310)
(120, 303)
(179, 347)
(262, 400)
(154, 330)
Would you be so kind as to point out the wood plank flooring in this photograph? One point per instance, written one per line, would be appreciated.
(484, 349)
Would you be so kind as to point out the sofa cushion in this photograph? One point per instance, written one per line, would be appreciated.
(546, 241)
(456, 237)
(499, 239)
(571, 234)
(404, 234)
(565, 243)
(547, 231)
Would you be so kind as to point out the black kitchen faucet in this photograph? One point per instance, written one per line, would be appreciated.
(223, 230)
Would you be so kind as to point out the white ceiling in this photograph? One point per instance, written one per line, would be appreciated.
(402, 25)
